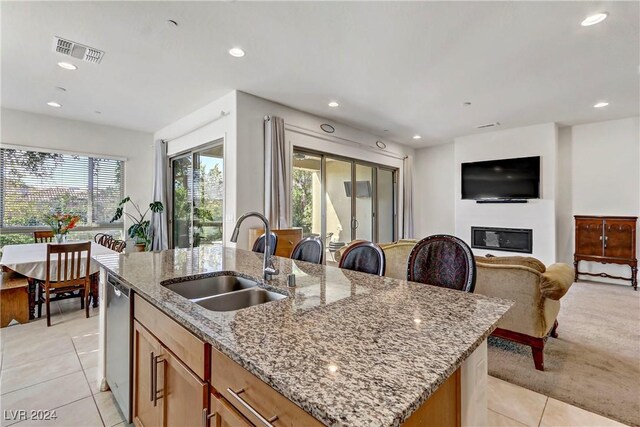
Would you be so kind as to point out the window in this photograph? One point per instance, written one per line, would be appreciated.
(35, 183)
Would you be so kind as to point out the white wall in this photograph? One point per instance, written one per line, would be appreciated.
(537, 214)
(604, 179)
(41, 131)
(302, 130)
(201, 127)
(434, 197)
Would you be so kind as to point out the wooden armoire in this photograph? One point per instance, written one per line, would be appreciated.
(606, 239)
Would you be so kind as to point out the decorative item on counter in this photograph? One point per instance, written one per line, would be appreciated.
(61, 224)
(140, 228)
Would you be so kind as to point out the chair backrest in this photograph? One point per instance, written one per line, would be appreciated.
(118, 245)
(365, 257)
(43, 236)
(310, 249)
(68, 264)
(105, 240)
(443, 260)
(258, 245)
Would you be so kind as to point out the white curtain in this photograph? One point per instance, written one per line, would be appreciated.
(408, 198)
(158, 222)
(276, 174)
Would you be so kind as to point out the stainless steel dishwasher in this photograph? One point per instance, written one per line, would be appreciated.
(119, 348)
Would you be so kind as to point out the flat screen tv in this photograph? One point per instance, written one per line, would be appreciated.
(505, 179)
(363, 188)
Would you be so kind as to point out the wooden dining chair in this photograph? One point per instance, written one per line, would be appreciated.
(105, 240)
(43, 236)
(70, 279)
(118, 245)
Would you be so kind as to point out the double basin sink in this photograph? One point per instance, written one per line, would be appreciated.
(224, 293)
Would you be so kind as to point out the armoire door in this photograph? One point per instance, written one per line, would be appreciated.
(618, 238)
(589, 236)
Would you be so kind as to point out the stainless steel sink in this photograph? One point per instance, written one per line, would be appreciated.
(224, 293)
(239, 299)
(210, 286)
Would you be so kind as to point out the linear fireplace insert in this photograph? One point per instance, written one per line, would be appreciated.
(502, 239)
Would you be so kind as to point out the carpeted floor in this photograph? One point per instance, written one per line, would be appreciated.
(595, 362)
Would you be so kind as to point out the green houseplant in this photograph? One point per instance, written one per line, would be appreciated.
(139, 230)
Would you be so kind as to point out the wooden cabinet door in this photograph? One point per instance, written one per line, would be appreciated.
(589, 236)
(147, 408)
(185, 395)
(619, 238)
(225, 415)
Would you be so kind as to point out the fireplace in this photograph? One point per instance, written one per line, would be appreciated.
(502, 239)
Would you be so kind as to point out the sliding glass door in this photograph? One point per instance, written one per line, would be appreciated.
(343, 199)
(198, 195)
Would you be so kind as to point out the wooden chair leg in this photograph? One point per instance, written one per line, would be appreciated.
(39, 299)
(537, 350)
(82, 300)
(85, 297)
(46, 291)
(554, 330)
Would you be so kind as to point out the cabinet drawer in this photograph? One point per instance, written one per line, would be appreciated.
(225, 415)
(253, 398)
(192, 351)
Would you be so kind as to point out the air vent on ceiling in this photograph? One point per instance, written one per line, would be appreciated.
(77, 50)
(488, 125)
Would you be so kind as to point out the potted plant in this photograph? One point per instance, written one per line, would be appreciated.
(139, 230)
(61, 224)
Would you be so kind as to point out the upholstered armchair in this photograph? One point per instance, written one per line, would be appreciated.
(536, 291)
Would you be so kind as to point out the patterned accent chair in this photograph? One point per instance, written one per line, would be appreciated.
(365, 257)
(259, 244)
(443, 260)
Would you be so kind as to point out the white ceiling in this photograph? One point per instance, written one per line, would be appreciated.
(406, 67)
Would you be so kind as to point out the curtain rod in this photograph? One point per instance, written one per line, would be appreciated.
(215, 119)
(343, 141)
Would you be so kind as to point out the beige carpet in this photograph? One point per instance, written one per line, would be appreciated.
(595, 362)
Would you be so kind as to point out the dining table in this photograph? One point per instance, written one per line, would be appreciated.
(30, 260)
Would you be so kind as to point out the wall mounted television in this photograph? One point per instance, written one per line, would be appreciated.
(502, 180)
(363, 188)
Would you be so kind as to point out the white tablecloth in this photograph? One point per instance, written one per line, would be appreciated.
(31, 259)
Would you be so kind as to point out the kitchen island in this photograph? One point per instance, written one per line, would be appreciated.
(348, 348)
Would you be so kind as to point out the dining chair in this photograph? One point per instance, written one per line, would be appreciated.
(443, 260)
(258, 245)
(69, 279)
(118, 245)
(365, 257)
(103, 239)
(310, 249)
(43, 236)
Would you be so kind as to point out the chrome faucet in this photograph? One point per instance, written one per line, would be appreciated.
(268, 268)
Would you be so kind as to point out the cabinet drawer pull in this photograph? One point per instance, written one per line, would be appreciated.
(154, 377)
(206, 417)
(263, 420)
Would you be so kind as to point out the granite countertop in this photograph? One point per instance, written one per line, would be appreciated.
(349, 348)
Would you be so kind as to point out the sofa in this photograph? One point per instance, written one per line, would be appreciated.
(536, 291)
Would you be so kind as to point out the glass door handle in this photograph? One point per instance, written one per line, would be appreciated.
(354, 223)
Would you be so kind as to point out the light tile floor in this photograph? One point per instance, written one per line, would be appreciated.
(56, 368)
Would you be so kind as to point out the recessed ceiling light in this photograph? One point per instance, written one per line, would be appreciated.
(594, 19)
(236, 52)
(60, 88)
(333, 104)
(54, 104)
(416, 137)
(67, 66)
(172, 23)
(600, 104)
